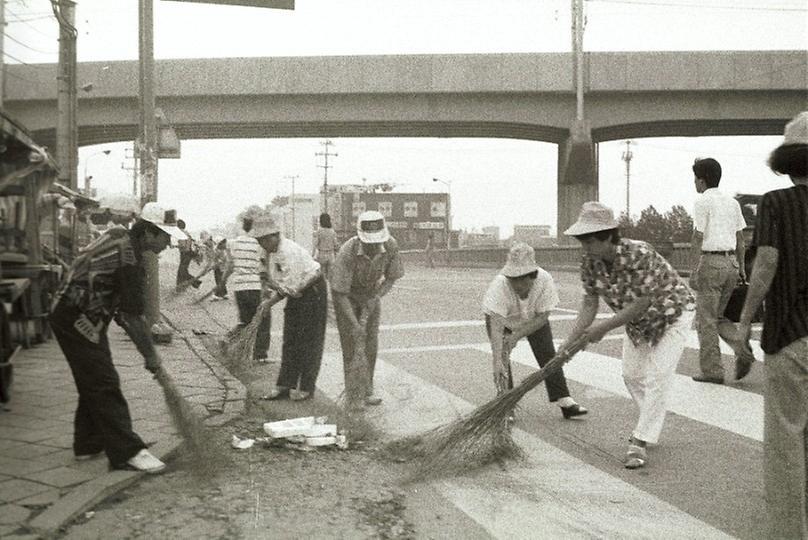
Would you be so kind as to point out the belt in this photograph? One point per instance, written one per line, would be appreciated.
(718, 253)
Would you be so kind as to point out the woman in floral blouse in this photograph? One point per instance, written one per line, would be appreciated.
(647, 296)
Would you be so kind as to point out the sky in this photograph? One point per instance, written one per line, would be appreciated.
(492, 182)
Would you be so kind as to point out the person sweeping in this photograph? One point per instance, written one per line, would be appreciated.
(108, 281)
(517, 305)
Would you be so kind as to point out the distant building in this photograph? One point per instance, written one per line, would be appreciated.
(300, 218)
(532, 235)
(476, 239)
(493, 231)
(411, 217)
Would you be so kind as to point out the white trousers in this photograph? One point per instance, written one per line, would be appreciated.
(648, 372)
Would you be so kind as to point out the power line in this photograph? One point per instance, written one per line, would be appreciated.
(26, 23)
(15, 40)
(23, 62)
(701, 6)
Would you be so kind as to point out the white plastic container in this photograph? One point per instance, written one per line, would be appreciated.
(289, 427)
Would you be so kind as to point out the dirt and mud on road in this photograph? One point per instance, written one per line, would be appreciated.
(276, 492)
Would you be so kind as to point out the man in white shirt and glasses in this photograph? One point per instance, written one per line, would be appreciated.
(718, 253)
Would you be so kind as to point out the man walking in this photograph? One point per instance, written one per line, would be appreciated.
(366, 268)
(781, 237)
(108, 281)
(186, 247)
(718, 251)
(245, 254)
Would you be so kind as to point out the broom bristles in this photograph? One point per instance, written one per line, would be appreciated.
(241, 348)
(478, 438)
(356, 380)
(207, 459)
(182, 286)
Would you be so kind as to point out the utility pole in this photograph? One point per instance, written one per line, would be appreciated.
(134, 168)
(325, 168)
(2, 51)
(67, 98)
(627, 156)
(292, 202)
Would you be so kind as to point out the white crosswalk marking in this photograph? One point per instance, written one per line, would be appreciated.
(550, 495)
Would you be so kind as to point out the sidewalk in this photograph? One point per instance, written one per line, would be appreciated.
(41, 486)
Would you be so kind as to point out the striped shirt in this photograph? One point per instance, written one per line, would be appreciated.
(782, 223)
(246, 256)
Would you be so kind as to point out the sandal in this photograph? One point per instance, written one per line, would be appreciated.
(636, 457)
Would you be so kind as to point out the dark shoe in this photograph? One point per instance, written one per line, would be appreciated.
(743, 364)
(277, 393)
(573, 410)
(702, 378)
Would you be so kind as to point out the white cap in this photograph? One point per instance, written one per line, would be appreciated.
(164, 220)
(796, 131)
(264, 225)
(521, 261)
(371, 228)
(594, 217)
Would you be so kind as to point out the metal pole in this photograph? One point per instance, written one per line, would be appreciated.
(578, 50)
(67, 98)
(2, 51)
(146, 147)
(627, 156)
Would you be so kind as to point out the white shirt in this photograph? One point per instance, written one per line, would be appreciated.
(291, 268)
(718, 217)
(246, 255)
(500, 299)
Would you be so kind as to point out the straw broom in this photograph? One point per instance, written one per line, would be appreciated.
(182, 286)
(480, 437)
(242, 345)
(356, 380)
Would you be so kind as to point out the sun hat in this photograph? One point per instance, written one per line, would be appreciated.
(521, 261)
(796, 131)
(371, 228)
(594, 217)
(264, 225)
(165, 220)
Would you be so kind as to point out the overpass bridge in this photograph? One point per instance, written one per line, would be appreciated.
(524, 96)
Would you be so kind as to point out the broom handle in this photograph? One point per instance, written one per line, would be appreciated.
(555, 363)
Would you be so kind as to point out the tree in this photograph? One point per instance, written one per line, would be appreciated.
(675, 225)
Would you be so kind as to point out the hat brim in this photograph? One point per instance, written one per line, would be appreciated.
(261, 232)
(513, 271)
(580, 228)
(174, 232)
(374, 237)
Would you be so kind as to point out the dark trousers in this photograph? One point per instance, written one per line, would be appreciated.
(102, 420)
(247, 303)
(186, 256)
(541, 342)
(349, 346)
(221, 284)
(303, 337)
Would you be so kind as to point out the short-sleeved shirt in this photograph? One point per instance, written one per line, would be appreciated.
(106, 279)
(291, 268)
(358, 275)
(782, 223)
(245, 253)
(718, 217)
(637, 272)
(500, 299)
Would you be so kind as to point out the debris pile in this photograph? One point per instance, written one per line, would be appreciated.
(305, 433)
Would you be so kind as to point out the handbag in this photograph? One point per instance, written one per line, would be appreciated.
(735, 304)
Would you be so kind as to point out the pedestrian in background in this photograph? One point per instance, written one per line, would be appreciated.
(429, 251)
(106, 281)
(517, 304)
(186, 247)
(365, 269)
(718, 250)
(781, 238)
(325, 245)
(247, 286)
(222, 268)
(650, 299)
(295, 276)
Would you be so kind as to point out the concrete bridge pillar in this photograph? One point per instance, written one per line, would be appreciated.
(577, 176)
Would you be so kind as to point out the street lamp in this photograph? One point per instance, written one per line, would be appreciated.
(87, 177)
(448, 185)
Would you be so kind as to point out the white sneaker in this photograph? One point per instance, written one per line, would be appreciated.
(146, 462)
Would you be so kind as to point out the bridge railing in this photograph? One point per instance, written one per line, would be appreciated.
(549, 258)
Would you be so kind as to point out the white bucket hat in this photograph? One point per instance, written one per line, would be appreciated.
(165, 220)
(594, 217)
(264, 226)
(371, 228)
(521, 261)
(796, 131)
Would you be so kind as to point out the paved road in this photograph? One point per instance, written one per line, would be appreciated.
(704, 478)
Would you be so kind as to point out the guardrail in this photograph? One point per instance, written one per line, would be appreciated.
(550, 258)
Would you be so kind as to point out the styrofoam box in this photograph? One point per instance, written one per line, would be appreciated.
(320, 441)
(321, 430)
(289, 427)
